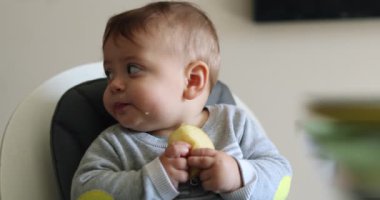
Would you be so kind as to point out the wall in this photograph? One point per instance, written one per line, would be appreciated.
(272, 67)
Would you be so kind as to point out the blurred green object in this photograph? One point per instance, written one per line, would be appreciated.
(348, 132)
(347, 109)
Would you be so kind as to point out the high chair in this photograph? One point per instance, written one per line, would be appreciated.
(52, 127)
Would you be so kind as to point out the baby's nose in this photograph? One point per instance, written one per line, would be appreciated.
(117, 85)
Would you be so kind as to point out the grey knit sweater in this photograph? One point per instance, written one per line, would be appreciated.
(125, 165)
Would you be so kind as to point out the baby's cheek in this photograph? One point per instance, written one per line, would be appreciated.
(106, 103)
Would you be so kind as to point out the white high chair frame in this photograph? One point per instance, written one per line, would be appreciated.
(26, 168)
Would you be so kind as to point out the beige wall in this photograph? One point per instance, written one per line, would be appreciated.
(271, 67)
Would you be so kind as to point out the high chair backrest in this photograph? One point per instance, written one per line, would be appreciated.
(26, 168)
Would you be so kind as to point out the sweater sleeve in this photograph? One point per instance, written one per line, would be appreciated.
(266, 174)
(102, 170)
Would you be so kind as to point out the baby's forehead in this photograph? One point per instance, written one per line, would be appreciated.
(161, 43)
(165, 40)
(161, 30)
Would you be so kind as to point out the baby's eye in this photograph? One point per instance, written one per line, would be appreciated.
(108, 74)
(133, 69)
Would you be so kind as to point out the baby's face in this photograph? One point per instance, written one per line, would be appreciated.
(145, 84)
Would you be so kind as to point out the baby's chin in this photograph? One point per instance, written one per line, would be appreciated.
(135, 128)
(148, 127)
(135, 123)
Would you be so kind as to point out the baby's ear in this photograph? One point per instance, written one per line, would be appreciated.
(197, 78)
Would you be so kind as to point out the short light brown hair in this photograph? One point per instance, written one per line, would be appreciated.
(186, 27)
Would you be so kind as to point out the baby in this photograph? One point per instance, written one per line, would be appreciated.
(161, 61)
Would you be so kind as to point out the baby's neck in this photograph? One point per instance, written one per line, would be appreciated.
(198, 120)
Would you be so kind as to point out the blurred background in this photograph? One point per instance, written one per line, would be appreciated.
(273, 67)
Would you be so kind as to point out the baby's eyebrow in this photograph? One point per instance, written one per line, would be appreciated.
(128, 58)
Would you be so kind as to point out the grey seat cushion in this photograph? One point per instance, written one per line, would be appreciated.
(80, 117)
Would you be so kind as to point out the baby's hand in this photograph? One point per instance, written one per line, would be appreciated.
(175, 162)
(219, 171)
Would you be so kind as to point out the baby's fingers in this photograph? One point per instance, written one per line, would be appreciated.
(177, 149)
(180, 164)
(200, 162)
(203, 152)
(181, 176)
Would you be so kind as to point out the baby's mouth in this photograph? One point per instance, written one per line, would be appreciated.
(120, 107)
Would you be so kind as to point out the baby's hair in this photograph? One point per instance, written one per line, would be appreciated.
(181, 24)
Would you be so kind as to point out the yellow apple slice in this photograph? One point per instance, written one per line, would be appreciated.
(193, 135)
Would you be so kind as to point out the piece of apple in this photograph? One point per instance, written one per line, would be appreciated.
(193, 135)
